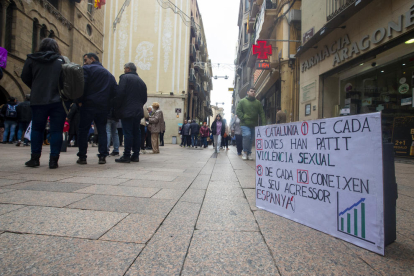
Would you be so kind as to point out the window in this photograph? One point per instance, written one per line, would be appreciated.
(55, 3)
(9, 26)
(52, 34)
(89, 30)
(43, 32)
(246, 35)
(35, 35)
(90, 6)
(246, 5)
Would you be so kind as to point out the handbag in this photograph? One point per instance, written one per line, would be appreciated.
(225, 135)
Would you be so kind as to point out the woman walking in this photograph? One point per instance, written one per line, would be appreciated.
(156, 125)
(41, 73)
(218, 128)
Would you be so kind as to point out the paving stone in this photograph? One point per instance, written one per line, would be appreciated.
(48, 186)
(406, 190)
(226, 215)
(95, 180)
(201, 182)
(119, 191)
(41, 198)
(193, 195)
(136, 228)
(2, 191)
(6, 208)
(247, 182)
(173, 194)
(164, 254)
(151, 177)
(398, 260)
(7, 182)
(251, 198)
(43, 255)
(405, 223)
(155, 184)
(147, 206)
(406, 203)
(182, 216)
(314, 252)
(224, 192)
(228, 253)
(60, 221)
(39, 177)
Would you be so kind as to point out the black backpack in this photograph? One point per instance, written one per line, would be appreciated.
(73, 82)
(11, 111)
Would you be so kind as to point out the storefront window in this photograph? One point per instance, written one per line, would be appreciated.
(387, 88)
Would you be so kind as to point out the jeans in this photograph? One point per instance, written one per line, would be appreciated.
(204, 141)
(22, 129)
(9, 127)
(132, 136)
(89, 114)
(225, 142)
(112, 131)
(248, 137)
(57, 121)
(194, 140)
(188, 139)
(217, 142)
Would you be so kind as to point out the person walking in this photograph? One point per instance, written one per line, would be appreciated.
(74, 120)
(248, 110)
(204, 132)
(194, 130)
(99, 89)
(186, 133)
(156, 124)
(9, 113)
(183, 138)
(143, 127)
(41, 73)
(226, 136)
(236, 130)
(24, 116)
(130, 99)
(280, 116)
(218, 129)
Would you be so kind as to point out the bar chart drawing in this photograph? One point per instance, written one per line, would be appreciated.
(352, 219)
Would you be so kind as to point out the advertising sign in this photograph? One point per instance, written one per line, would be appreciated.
(403, 136)
(326, 174)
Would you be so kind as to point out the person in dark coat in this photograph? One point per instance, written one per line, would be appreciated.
(9, 113)
(100, 88)
(41, 72)
(24, 116)
(74, 120)
(195, 129)
(186, 133)
(130, 99)
(218, 128)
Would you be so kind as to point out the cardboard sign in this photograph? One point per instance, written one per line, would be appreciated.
(326, 174)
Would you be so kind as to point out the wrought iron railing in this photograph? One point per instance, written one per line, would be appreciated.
(335, 7)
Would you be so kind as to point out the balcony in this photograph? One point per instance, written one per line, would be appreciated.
(193, 27)
(198, 56)
(192, 77)
(335, 7)
(254, 9)
(198, 42)
(193, 53)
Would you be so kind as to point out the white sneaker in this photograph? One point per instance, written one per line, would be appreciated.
(143, 151)
(249, 157)
(244, 156)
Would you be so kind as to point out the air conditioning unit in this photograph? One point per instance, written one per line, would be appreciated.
(294, 16)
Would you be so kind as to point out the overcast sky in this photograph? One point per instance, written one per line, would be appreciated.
(220, 27)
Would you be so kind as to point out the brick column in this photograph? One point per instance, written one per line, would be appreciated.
(4, 4)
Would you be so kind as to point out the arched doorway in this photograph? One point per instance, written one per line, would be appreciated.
(4, 96)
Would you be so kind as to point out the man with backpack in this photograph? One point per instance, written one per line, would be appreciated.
(99, 89)
(195, 129)
(10, 119)
(24, 116)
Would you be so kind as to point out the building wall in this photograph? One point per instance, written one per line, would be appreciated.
(374, 16)
(68, 24)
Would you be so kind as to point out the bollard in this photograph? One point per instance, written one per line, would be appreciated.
(390, 194)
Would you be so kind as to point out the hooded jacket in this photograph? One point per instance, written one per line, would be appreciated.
(195, 128)
(100, 86)
(248, 109)
(41, 73)
(186, 129)
(131, 96)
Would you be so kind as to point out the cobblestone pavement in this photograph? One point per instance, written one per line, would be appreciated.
(180, 212)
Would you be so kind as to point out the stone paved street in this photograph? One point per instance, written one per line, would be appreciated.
(180, 212)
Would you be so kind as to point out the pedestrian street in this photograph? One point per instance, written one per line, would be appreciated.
(184, 211)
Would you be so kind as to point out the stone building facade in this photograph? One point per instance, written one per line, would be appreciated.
(77, 27)
(166, 49)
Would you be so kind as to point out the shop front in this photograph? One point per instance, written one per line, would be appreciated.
(359, 70)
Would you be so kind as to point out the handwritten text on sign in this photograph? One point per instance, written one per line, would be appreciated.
(326, 174)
